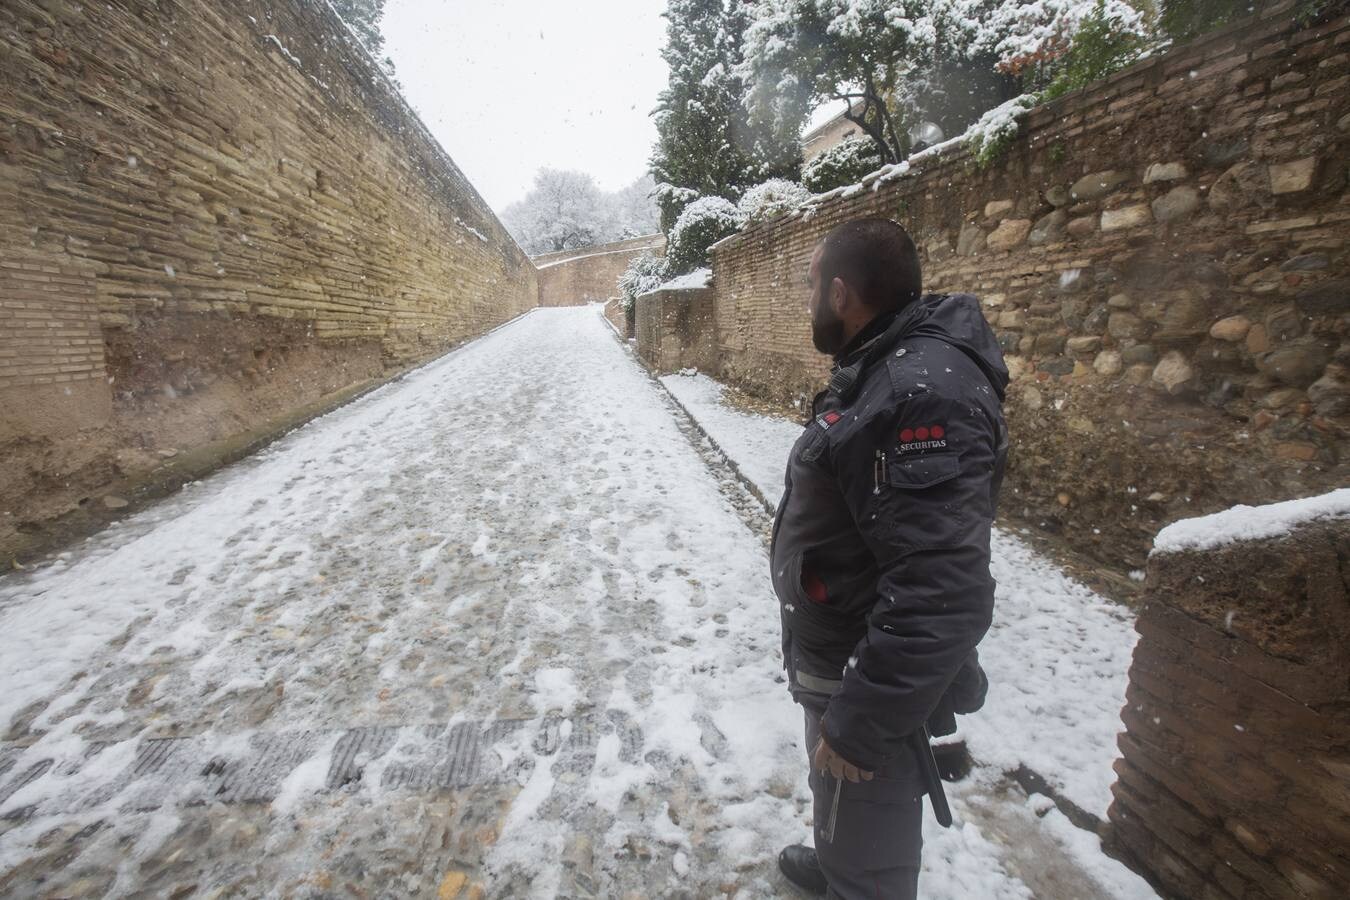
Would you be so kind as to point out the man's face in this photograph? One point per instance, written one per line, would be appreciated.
(827, 329)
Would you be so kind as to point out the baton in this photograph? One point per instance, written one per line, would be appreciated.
(834, 811)
(924, 750)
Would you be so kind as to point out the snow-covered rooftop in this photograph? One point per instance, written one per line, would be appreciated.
(1250, 523)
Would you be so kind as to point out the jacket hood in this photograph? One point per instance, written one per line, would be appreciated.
(957, 319)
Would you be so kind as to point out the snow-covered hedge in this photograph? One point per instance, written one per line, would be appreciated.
(772, 198)
(702, 223)
(672, 200)
(990, 136)
(644, 273)
(845, 163)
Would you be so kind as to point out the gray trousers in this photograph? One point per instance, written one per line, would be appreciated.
(878, 826)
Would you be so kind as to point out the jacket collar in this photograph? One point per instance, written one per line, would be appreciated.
(865, 336)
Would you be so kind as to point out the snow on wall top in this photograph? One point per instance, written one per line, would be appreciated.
(699, 278)
(1250, 523)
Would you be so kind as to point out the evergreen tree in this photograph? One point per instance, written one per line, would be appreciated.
(705, 144)
(363, 17)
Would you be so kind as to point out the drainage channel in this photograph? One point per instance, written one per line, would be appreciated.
(194, 770)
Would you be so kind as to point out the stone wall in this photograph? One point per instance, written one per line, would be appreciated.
(576, 277)
(623, 322)
(674, 328)
(1235, 775)
(1163, 256)
(216, 213)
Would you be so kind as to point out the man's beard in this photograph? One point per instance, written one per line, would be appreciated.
(827, 329)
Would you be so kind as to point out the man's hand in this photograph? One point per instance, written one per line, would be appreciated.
(826, 760)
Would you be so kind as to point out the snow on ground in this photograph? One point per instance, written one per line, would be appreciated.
(1250, 523)
(756, 445)
(1058, 658)
(1057, 655)
(496, 622)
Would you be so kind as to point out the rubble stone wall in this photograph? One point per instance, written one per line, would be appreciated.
(1163, 257)
(577, 277)
(1234, 780)
(216, 212)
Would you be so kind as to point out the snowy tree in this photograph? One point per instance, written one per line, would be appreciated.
(884, 61)
(363, 18)
(633, 211)
(706, 145)
(565, 210)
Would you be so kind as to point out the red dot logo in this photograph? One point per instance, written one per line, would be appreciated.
(937, 431)
(907, 435)
(921, 434)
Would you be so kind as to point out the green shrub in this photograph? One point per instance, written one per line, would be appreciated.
(643, 274)
(770, 199)
(845, 163)
(702, 223)
(991, 136)
(1098, 49)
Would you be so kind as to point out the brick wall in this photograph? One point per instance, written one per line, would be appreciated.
(52, 375)
(1163, 256)
(576, 277)
(214, 213)
(1234, 780)
(622, 322)
(674, 329)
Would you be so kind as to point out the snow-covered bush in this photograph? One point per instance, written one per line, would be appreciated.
(672, 200)
(990, 136)
(845, 163)
(1027, 35)
(1099, 47)
(643, 274)
(702, 223)
(772, 198)
(891, 58)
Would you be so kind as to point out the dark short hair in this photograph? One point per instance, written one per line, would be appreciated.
(877, 258)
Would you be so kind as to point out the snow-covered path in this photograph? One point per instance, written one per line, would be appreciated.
(1057, 656)
(502, 623)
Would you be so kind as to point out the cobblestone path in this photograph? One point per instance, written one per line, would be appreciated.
(500, 628)
(493, 628)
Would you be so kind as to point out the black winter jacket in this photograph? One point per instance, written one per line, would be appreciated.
(880, 548)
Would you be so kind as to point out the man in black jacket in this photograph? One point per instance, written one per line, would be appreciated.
(880, 550)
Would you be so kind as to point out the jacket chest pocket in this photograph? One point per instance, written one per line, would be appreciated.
(916, 473)
(923, 502)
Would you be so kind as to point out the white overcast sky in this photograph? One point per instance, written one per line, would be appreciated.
(510, 86)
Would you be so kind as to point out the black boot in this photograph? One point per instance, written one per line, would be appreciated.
(802, 868)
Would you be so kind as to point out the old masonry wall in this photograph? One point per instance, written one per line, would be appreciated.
(219, 218)
(1163, 257)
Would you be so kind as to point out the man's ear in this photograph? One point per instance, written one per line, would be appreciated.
(838, 295)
